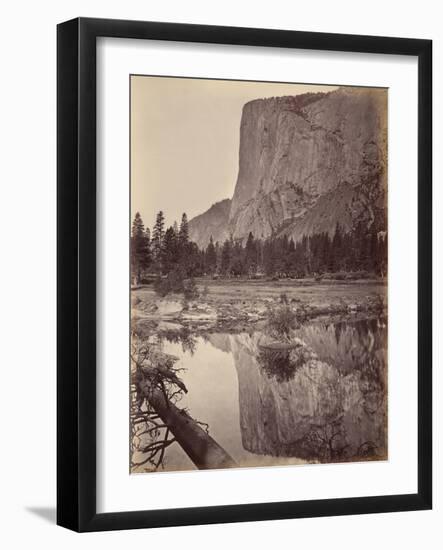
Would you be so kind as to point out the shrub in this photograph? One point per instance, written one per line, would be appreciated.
(282, 321)
(190, 289)
(173, 282)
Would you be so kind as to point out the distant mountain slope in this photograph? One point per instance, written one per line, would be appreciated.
(212, 222)
(305, 163)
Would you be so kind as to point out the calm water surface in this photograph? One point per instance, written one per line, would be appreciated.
(325, 401)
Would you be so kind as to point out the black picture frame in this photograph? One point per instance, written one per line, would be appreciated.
(76, 267)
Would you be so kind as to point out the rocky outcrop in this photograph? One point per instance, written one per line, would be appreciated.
(213, 222)
(307, 162)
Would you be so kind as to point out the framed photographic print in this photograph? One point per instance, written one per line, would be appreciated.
(244, 274)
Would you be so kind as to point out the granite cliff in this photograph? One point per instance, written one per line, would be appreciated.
(213, 222)
(305, 163)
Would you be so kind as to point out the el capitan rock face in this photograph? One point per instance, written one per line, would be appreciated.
(305, 163)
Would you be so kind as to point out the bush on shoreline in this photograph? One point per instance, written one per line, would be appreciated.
(176, 282)
(281, 321)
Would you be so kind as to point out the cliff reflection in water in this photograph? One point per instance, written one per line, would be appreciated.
(325, 400)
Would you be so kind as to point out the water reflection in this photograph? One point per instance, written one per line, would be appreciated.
(320, 398)
(323, 402)
(169, 332)
(281, 364)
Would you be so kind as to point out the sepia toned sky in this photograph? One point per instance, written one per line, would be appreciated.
(185, 141)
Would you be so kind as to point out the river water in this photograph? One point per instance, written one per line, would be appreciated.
(326, 401)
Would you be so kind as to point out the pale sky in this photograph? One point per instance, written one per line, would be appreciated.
(185, 140)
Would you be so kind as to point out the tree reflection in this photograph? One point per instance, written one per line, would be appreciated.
(182, 336)
(282, 364)
(173, 333)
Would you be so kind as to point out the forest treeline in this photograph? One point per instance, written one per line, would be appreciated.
(166, 250)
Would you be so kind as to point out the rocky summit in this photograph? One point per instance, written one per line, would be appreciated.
(306, 162)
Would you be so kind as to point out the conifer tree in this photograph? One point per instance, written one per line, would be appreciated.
(157, 240)
(140, 249)
(226, 254)
(183, 235)
(170, 250)
(237, 264)
(337, 252)
(211, 257)
(250, 255)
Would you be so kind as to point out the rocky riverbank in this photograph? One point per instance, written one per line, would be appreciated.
(235, 303)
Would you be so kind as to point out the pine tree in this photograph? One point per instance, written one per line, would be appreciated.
(157, 240)
(169, 250)
(183, 235)
(148, 249)
(337, 253)
(193, 260)
(226, 254)
(218, 255)
(360, 247)
(306, 247)
(291, 260)
(211, 257)
(237, 266)
(268, 257)
(373, 249)
(250, 255)
(383, 253)
(140, 249)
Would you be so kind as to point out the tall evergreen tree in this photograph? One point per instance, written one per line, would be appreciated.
(268, 257)
(157, 240)
(250, 255)
(183, 235)
(148, 247)
(237, 266)
(211, 257)
(373, 250)
(140, 250)
(337, 252)
(170, 250)
(226, 255)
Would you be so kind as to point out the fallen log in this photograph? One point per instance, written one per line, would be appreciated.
(201, 448)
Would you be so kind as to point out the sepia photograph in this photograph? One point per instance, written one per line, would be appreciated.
(258, 272)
